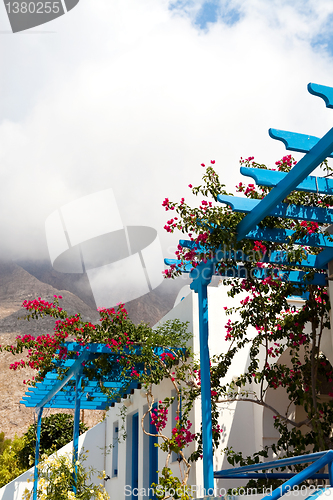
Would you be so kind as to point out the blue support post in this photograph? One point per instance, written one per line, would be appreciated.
(202, 275)
(39, 424)
(76, 430)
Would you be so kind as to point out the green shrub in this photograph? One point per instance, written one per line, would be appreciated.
(56, 432)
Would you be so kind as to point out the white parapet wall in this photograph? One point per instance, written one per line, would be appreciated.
(93, 441)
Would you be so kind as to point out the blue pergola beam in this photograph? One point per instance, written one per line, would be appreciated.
(45, 389)
(276, 235)
(270, 178)
(283, 462)
(322, 91)
(61, 383)
(296, 277)
(275, 257)
(85, 406)
(271, 475)
(324, 258)
(282, 210)
(238, 271)
(281, 235)
(298, 173)
(293, 141)
(96, 348)
(52, 391)
(67, 397)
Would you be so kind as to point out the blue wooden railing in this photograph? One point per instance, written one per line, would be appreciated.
(318, 461)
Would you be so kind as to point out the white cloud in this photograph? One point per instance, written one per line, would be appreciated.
(133, 96)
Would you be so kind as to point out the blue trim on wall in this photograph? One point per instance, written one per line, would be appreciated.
(153, 455)
(135, 453)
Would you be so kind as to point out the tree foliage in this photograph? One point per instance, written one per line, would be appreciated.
(56, 431)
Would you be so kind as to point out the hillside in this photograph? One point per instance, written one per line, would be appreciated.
(16, 285)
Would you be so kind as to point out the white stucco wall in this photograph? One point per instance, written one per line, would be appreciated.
(246, 426)
(242, 426)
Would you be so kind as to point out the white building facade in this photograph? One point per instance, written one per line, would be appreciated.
(132, 463)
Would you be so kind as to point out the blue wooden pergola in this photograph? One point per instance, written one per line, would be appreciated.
(316, 151)
(68, 386)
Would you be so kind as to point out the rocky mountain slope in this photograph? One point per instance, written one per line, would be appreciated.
(16, 285)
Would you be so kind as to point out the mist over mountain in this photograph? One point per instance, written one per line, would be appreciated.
(149, 308)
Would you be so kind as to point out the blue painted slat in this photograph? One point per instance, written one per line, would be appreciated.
(61, 383)
(95, 348)
(87, 388)
(54, 393)
(283, 210)
(274, 464)
(301, 476)
(324, 258)
(298, 173)
(63, 397)
(269, 475)
(225, 253)
(270, 178)
(294, 141)
(298, 277)
(317, 493)
(69, 398)
(100, 406)
(317, 240)
(54, 376)
(322, 91)
(285, 276)
(135, 454)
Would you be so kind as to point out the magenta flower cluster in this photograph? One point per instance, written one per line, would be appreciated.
(182, 434)
(159, 417)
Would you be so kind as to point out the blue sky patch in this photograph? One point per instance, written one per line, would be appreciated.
(180, 5)
(324, 41)
(211, 11)
(207, 14)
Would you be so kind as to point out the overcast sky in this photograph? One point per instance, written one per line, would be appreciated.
(134, 95)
